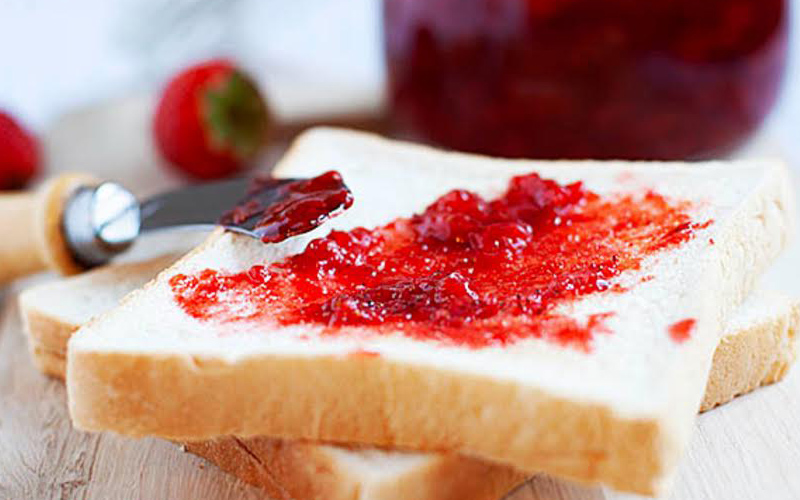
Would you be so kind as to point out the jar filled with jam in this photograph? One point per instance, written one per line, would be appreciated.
(654, 79)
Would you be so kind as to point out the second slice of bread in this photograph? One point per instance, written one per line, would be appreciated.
(620, 415)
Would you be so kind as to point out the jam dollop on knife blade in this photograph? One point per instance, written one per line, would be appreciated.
(282, 208)
(466, 271)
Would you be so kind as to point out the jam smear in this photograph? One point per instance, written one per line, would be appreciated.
(681, 331)
(278, 209)
(467, 271)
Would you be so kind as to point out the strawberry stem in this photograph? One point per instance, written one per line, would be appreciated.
(236, 116)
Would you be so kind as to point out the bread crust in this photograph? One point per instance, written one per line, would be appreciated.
(622, 452)
(52, 363)
(293, 469)
(47, 339)
(756, 356)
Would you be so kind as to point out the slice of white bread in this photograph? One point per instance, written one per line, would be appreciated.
(52, 312)
(620, 415)
(758, 348)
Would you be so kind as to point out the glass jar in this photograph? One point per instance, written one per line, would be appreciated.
(652, 79)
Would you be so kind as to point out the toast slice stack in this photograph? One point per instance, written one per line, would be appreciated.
(618, 411)
(758, 347)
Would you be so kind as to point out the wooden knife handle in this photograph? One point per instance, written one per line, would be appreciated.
(31, 236)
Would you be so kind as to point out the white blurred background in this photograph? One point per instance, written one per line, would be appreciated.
(56, 56)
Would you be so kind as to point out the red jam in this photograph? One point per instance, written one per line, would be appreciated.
(682, 330)
(667, 79)
(278, 209)
(466, 271)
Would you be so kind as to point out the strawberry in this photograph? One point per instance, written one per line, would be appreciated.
(211, 121)
(19, 154)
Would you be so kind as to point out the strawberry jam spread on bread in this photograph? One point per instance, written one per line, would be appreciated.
(466, 271)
